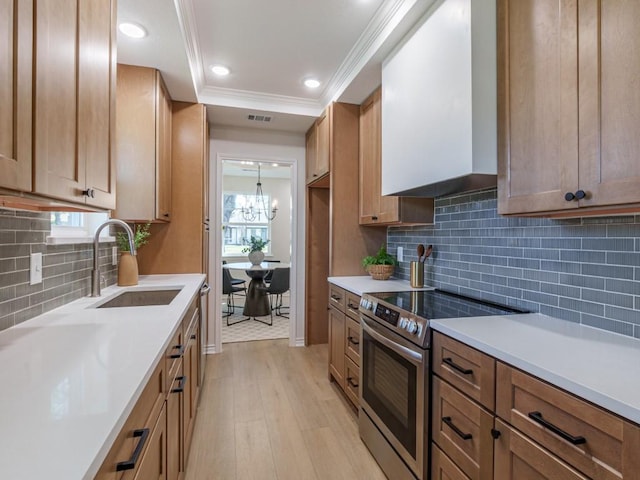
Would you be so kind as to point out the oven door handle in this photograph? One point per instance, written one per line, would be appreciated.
(400, 349)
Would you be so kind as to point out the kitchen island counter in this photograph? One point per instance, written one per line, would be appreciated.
(594, 364)
(72, 376)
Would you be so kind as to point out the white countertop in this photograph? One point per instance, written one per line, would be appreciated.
(594, 364)
(70, 378)
(366, 284)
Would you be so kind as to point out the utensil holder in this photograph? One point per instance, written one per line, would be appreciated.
(417, 274)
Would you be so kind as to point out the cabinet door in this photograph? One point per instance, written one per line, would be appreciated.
(163, 151)
(323, 148)
(538, 105)
(153, 464)
(73, 105)
(609, 102)
(174, 432)
(336, 345)
(374, 208)
(518, 458)
(16, 21)
(442, 468)
(311, 145)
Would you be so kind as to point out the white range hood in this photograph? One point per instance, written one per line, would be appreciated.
(439, 133)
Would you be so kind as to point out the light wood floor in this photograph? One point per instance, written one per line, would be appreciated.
(268, 411)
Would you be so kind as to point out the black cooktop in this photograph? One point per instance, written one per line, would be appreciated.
(434, 304)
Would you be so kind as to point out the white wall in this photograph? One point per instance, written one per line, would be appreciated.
(280, 147)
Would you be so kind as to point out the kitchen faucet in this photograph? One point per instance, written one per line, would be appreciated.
(95, 273)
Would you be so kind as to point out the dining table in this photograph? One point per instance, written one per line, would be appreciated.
(257, 301)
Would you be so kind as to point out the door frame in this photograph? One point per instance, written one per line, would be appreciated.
(296, 320)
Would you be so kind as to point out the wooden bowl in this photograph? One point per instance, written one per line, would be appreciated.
(381, 272)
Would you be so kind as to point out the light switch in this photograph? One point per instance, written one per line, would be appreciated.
(35, 269)
(114, 255)
(400, 254)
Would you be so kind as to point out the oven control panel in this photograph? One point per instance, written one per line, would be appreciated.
(408, 325)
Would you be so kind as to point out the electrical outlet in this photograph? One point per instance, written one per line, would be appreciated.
(400, 254)
(114, 255)
(35, 269)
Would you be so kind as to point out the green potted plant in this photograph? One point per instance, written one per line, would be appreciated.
(128, 264)
(381, 265)
(254, 249)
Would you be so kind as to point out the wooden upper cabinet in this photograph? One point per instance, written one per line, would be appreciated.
(568, 112)
(319, 147)
(376, 209)
(73, 103)
(16, 60)
(143, 146)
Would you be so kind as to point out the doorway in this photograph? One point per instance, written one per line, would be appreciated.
(255, 199)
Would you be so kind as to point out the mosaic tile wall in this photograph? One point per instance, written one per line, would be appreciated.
(66, 269)
(584, 270)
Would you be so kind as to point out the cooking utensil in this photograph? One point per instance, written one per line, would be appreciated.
(427, 253)
(420, 252)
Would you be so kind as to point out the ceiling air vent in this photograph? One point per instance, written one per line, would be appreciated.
(259, 118)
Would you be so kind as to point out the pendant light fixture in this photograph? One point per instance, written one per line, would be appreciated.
(257, 208)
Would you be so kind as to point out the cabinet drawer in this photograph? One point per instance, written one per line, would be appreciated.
(517, 457)
(352, 381)
(442, 468)
(173, 356)
(142, 418)
(352, 303)
(594, 441)
(462, 429)
(467, 369)
(190, 319)
(337, 297)
(352, 340)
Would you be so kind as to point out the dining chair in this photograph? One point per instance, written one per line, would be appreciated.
(278, 286)
(235, 281)
(230, 290)
(269, 275)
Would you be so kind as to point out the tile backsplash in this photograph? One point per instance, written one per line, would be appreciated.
(584, 270)
(66, 272)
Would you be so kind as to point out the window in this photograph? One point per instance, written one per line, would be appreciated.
(74, 227)
(236, 228)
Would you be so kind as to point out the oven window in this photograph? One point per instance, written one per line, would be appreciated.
(389, 387)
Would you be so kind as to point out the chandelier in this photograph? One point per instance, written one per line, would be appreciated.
(257, 208)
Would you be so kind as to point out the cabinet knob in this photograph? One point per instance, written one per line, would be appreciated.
(89, 192)
(374, 218)
(580, 194)
(569, 196)
(166, 215)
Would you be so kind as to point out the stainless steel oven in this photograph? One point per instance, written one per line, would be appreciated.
(395, 375)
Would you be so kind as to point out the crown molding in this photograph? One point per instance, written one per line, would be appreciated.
(228, 97)
(186, 20)
(385, 20)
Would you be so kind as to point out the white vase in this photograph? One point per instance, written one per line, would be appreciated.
(256, 257)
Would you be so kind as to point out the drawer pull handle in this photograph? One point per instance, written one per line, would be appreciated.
(537, 417)
(452, 364)
(180, 349)
(180, 389)
(460, 433)
(352, 306)
(351, 382)
(130, 464)
(353, 341)
(335, 297)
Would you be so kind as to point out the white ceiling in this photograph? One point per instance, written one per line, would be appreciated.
(270, 47)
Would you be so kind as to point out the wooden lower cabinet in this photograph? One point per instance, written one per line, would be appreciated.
(153, 465)
(519, 458)
(442, 468)
(336, 345)
(174, 428)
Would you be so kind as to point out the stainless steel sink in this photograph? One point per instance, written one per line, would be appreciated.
(141, 298)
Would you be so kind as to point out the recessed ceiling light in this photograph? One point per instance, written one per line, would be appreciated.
(132, 30)
(311, 83)
(220, 70)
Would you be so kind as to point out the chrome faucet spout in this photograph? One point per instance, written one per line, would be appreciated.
(95, 273)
